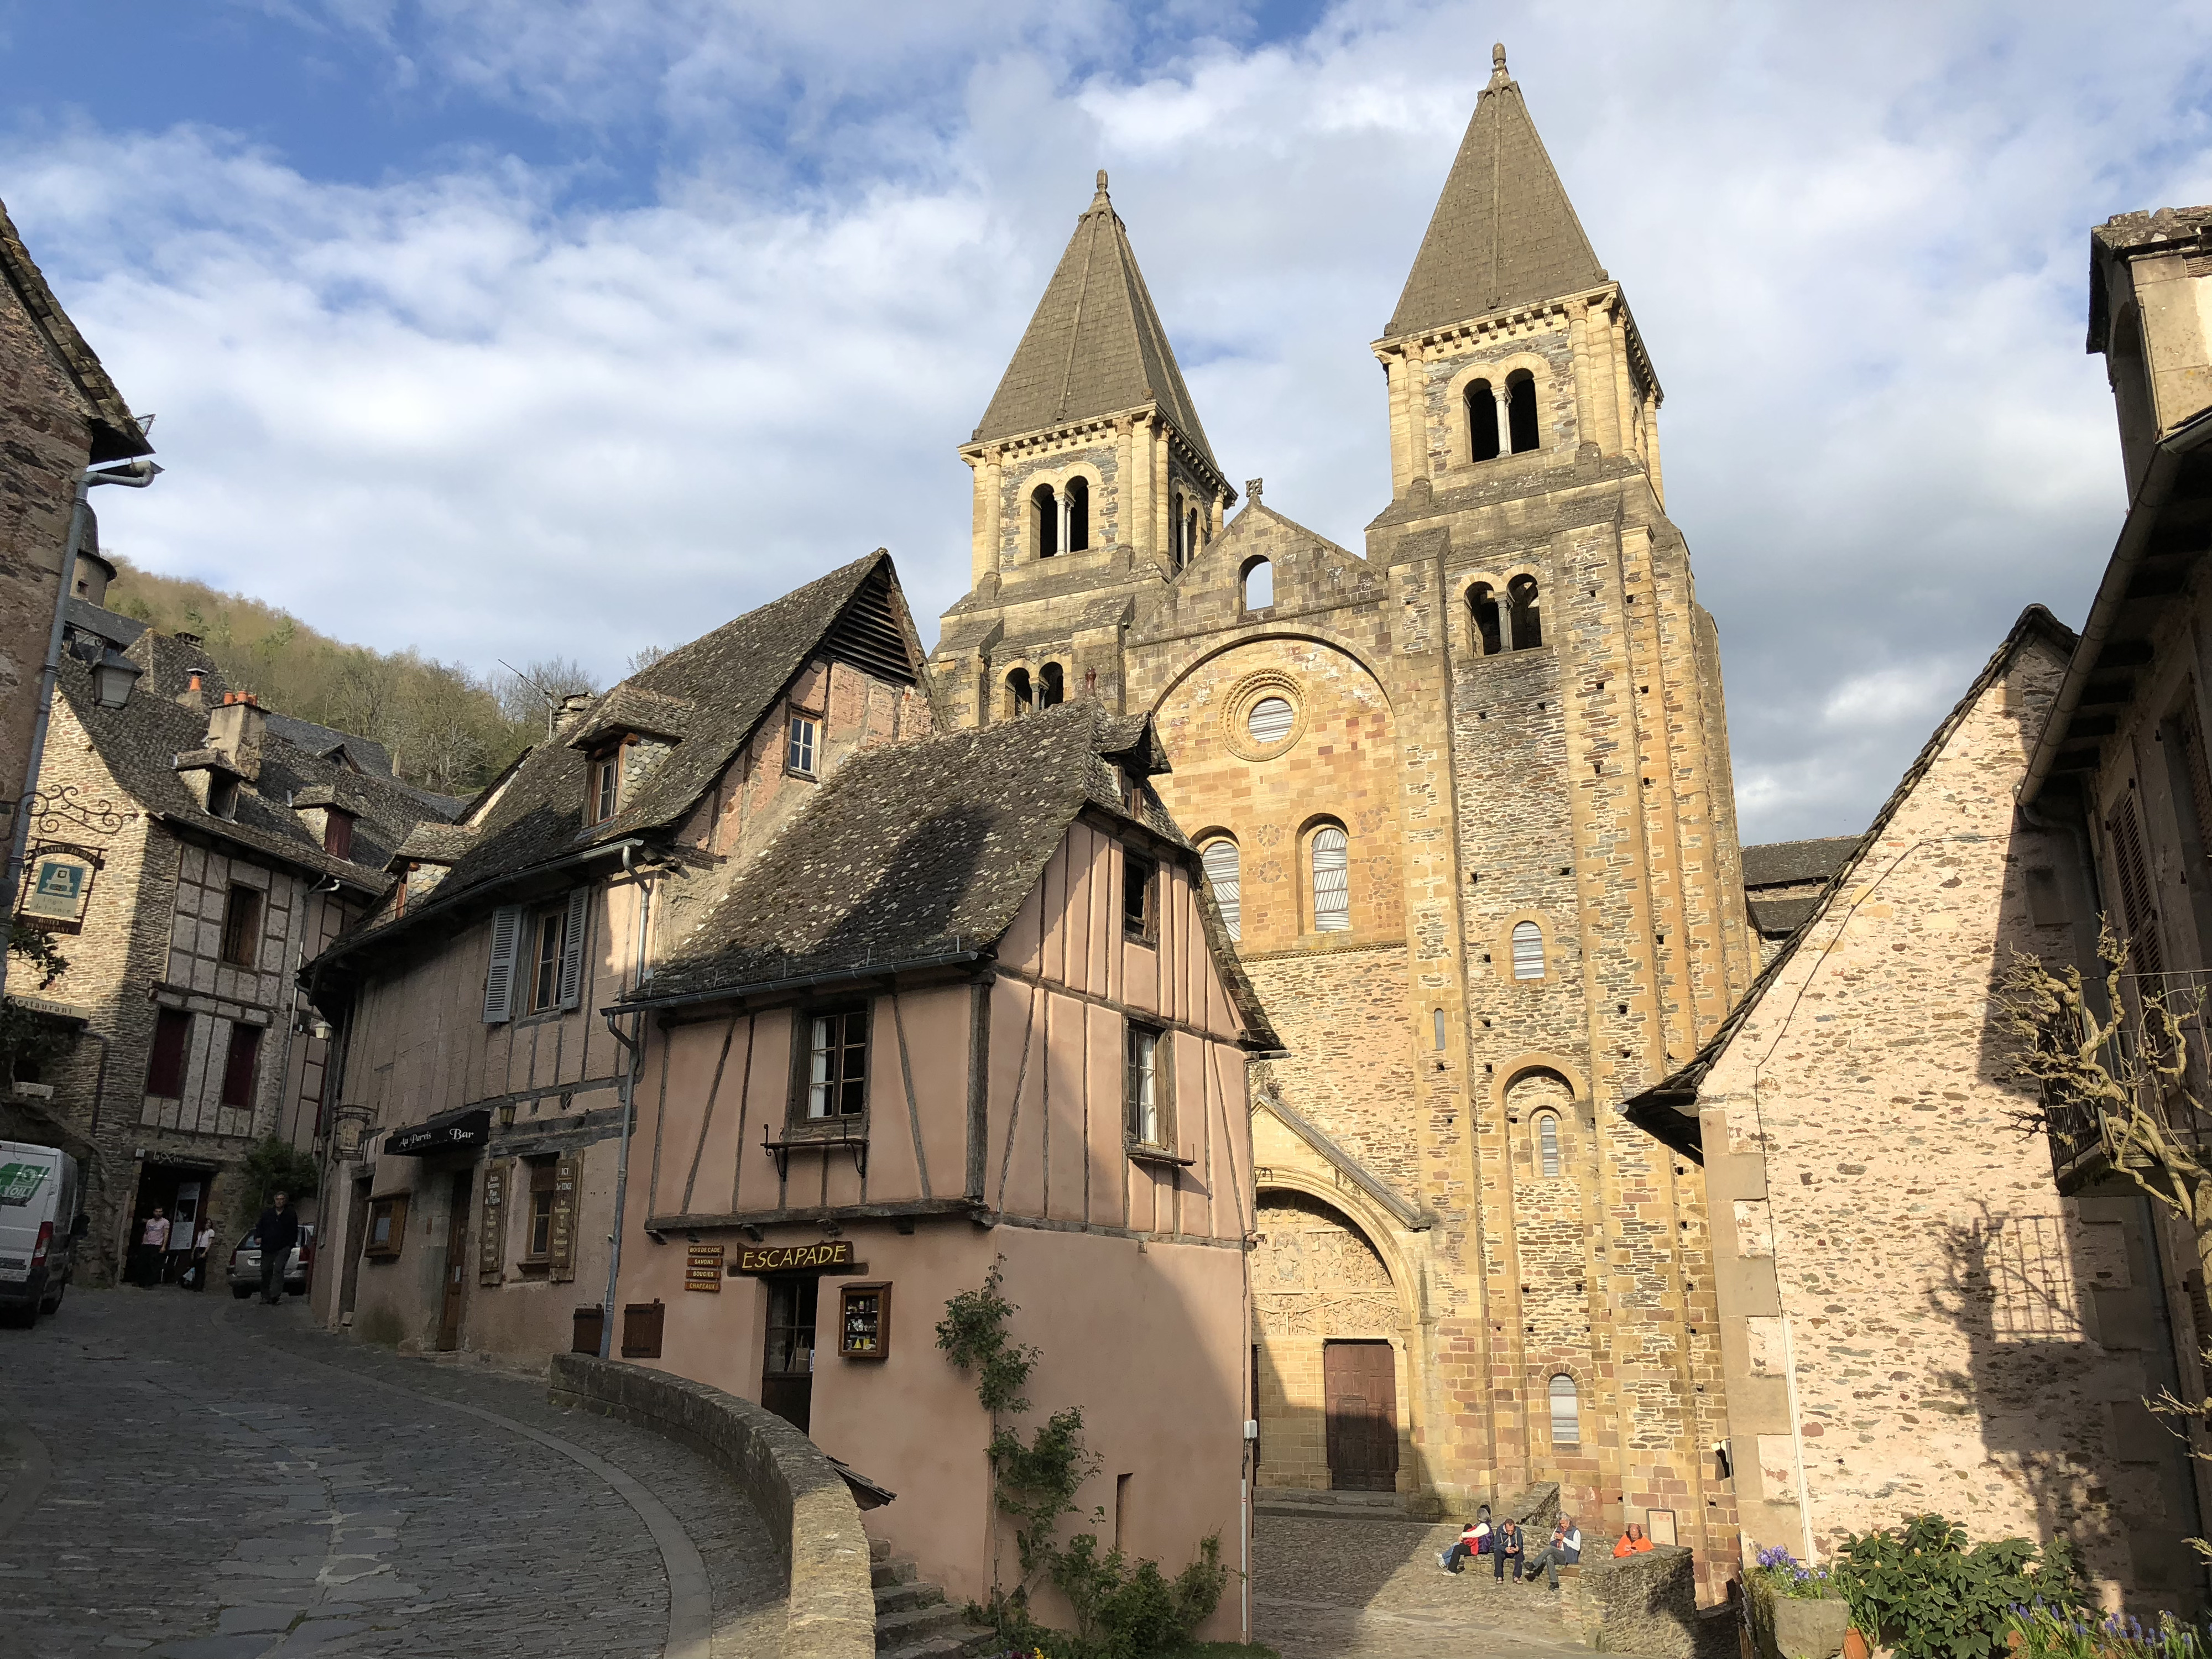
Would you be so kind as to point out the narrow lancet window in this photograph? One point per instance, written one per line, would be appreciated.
(1528, 624)
(1528, 951)
(1053, 687)
(1481, 422)
(1076, 504)
(1224, 877)
(1521, 397)
(1258, 585)
(1332, 890)
(1017, 694)
(1045, 508)
(1482, 619)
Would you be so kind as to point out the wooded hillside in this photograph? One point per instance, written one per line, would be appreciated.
(447, 727)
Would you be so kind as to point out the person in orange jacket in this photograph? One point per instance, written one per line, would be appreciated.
(1632, 1543)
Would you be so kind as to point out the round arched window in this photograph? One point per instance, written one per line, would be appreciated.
(1270, 721)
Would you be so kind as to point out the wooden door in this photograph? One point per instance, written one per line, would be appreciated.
(457, 1261)
(787, 1365)
(1360, 1379)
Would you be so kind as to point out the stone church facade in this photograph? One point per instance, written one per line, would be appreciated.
(1466, 800)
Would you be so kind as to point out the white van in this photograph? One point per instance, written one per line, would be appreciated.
(41, 1224)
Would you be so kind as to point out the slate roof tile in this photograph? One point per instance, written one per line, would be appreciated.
(1096, 345)
(1503, 233)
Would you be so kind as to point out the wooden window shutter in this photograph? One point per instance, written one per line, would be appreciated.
(560, 1263)
(640, 1332)
(491, 1243)
(572, 948)
(2136, 897)
(498, 981)
(2193, 762)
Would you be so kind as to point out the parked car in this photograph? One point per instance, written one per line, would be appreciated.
(39, 1226)
(245, 1265)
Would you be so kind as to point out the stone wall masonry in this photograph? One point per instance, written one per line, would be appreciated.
(48, 444)
(1893, 1260)
(829, 1606)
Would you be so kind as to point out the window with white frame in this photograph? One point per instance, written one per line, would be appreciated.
(837, 1063)
(1528, 951)
(1330, 852)
(1147, 1086)
(1566, 1411)
(799, 755)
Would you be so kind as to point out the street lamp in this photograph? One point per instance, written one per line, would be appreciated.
(113, 673)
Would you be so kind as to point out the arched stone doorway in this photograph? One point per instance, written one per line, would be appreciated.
(1328, 1353)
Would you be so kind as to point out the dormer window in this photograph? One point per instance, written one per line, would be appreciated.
(801, 749)
(222, 796)
(338, 833)
(603, 784)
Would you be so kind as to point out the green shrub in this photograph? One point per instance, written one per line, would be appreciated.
(275, 1165)
(1925, 1593)
(1132, 1611)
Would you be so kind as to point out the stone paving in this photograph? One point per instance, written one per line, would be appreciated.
(228, 1483)
(1370, 1589)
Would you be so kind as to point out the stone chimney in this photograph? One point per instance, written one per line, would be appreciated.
(235, 731)
(573, 707)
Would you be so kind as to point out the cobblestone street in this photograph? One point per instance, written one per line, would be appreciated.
(196, 1478)
(1370, 1589)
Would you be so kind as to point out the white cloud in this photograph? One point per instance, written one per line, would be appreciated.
(462, 410)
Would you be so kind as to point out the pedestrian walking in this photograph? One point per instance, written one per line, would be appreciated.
(278, 1229)
(202, 1257)
(153, 1241)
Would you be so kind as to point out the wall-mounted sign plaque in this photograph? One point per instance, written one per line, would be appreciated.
(703, 1268)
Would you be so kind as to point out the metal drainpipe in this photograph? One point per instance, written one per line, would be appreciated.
(138, 476)
(629, 1114)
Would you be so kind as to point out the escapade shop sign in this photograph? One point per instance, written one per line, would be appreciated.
(794, 1258)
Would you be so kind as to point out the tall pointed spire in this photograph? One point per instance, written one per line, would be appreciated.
(1096, 345)
(1503, 233)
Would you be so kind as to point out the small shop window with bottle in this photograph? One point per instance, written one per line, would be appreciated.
(864, 1321)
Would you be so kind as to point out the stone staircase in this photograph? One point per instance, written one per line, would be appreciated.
(913, 1618)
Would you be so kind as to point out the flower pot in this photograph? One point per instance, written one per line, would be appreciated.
(1807, 1629)
(1856, 1646)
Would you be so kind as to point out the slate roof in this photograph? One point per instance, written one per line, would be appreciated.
(722, 684)
(927, 848)
(1668, 1110)
(1503, 233)
(1096, 345)
(139, 743)
(115, 431)
(1788, 863)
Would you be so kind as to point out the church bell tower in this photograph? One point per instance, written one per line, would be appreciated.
(1094, 485)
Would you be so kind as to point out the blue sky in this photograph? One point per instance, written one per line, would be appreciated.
(511, 328)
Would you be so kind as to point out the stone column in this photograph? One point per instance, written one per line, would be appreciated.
(985, 550)
(1505, 400)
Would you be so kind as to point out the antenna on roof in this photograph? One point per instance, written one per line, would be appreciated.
(552, 702)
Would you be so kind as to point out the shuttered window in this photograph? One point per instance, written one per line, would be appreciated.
(1139, 903)
(239, 1063)
(338, 834)
(2193, 764)
(1547, 1145)
(165, 1065)
(641, 1324)
(1332, 890)
(1566, 1413)
(242, 927)
(499, 978)
(1270, 721)
(2135, 891)
(1223, 876)
(1528, 951)
(575, 927)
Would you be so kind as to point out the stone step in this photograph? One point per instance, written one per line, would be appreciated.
(953, 1644)
(897, 1598)
(915, 1624)
(883, 1574)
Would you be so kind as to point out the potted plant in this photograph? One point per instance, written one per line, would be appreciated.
(1796, 1612)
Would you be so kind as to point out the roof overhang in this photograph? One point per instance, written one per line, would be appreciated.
(2179, 469)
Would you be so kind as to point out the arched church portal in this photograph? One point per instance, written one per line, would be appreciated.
(1327, 1351)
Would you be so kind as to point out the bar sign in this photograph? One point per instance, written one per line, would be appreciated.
(703, 1268)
